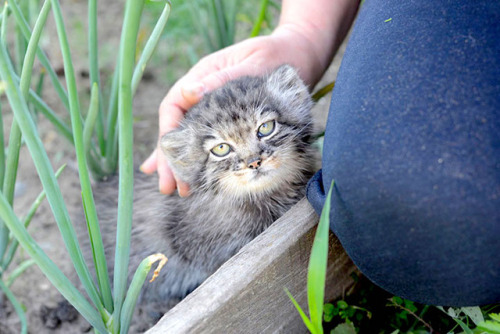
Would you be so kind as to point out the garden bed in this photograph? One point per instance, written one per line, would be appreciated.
(247, 292)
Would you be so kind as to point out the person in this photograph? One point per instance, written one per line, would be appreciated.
(412, 141)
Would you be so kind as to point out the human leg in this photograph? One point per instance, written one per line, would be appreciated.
(413, 144)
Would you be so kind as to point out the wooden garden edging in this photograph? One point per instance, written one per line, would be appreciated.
(246, 295)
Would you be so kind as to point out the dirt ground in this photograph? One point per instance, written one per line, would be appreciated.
(32, 289)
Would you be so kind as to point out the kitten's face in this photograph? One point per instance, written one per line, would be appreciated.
(249, 137)
(253, 155)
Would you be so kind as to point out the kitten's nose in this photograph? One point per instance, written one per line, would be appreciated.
(254, 162)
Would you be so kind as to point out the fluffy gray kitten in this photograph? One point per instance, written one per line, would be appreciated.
(245, 151)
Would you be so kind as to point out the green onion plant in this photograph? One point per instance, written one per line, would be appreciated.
(99, 139)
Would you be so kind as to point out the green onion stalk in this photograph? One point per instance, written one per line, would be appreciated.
(106, 310)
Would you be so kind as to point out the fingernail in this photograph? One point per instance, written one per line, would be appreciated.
(143, 170)
(163, 190)
(195, 89)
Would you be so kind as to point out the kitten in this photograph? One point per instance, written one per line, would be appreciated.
(245, 151)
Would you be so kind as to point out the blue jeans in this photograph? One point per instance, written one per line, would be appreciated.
(413, 145)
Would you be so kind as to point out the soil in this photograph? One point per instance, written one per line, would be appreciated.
(32, 289)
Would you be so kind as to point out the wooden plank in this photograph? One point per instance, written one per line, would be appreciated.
(246, 295)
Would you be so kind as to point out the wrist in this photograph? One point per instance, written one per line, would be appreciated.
(307, 53)
(314, 31)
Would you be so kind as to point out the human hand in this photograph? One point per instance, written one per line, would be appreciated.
(253, 57)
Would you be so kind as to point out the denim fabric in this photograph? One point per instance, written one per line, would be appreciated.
(413, 144)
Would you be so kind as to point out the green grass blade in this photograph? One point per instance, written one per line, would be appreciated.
(26, 221)
(220, 23)
(18, 308)
(20, 49)
(12, 161)
(150, 47)
(465, 328)
(94, 69)
(33, 8)
(135, 288)
(2, 134)
(45, 172)
(18, 271)
(133, 11)
(316, 274)
(10, 177)
(24, 27)
(41, 79)
(24, 83)
(323, 91)
(230, 10)
(111, 126)
(97, 255)
(58, 123)
(3, 27)
(88, 198)
(53, 273)
(304, 317)
(196, 18)
(2, 150)
(258, 23)
(88, 128)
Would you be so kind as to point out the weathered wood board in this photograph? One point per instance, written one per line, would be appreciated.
(246, 295)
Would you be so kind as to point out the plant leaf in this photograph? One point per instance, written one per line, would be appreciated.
(474, 313)
(345, 328)
(131, 22)
(495, 316)
(328, 312)
(304, 317)
(490, 327)
(17, 307)
(462, 325)
(150, 46)
(136, 285)
(316, 274)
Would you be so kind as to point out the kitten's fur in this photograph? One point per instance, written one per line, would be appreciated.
(230, 201)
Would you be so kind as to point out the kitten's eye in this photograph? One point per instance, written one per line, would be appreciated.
(265, 129)
(221, 150)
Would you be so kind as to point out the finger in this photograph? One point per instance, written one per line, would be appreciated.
(182, 188)
(169, 118)
(150, 164)
(193, 92)
(186, 92)
(166, 180)
(190, 89)
(220, 78)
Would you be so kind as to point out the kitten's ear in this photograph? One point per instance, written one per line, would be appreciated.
(286, 79)
(286, 85)
(175, 146)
